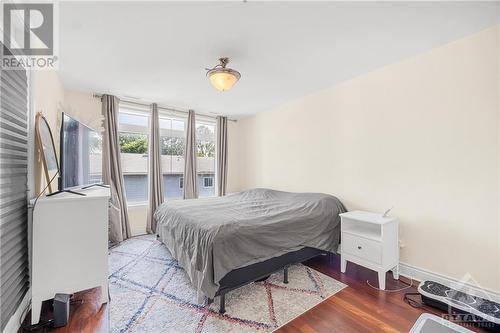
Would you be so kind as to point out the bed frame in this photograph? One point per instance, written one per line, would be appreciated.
(260, 271)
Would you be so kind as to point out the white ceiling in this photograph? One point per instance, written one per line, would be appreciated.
(159, 50)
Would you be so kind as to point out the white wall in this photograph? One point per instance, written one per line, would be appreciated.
(422, 135)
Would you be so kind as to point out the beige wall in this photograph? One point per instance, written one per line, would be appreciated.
(85, 108)
(235, 154)
(48, 95)
(51, 99)
(422, 135)
(48, 98)
(137, 215)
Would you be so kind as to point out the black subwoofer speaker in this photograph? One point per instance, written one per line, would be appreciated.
(61, 309)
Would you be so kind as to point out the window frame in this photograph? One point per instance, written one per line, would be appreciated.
(130, 129)
(212, 178)
(145, 111)
(134, 112)
(204, 120)
(172, 116)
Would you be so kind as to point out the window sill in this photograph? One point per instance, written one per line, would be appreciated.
(137, 204)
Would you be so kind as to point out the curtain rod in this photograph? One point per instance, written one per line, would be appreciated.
(167, 108)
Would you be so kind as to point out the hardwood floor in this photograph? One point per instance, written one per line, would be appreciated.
(358, 308)
(87, 314)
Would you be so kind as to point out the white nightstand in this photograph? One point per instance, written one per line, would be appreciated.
(370, 240)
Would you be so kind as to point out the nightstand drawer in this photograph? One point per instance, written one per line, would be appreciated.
(361, 247)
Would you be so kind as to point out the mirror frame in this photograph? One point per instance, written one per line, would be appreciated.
(39, 117)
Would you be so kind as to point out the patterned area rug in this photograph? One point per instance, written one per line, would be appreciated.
(150, 292)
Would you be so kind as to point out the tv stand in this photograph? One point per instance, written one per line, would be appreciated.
(69, 246)
(92, 185)
(66, 191)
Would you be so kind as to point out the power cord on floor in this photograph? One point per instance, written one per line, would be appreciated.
(40, 325)
(412, 302)
(76, 302)
(418, 304)
(23, 314)
(408, 286)
(415, 303)
(46, 323)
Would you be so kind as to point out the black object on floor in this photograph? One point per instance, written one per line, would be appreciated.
(468, 308)
(61, 309)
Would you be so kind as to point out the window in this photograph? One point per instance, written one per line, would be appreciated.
(95, 161)
(133, 129)
(172, 141)
(205, 151)
(208, 182)
(133, 136)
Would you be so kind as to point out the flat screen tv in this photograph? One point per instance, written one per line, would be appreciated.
(80, 155)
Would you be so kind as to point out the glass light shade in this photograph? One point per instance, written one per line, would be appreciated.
(223, 79)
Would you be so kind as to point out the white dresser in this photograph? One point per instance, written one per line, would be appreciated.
(370, 240)
(70, 245)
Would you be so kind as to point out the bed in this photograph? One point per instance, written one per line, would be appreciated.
(226, 242)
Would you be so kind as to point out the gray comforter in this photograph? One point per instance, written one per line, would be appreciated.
(212, 236)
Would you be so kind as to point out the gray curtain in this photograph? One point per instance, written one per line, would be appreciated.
(119, 226)
(155, 173)
(190, 181)
(221, 155)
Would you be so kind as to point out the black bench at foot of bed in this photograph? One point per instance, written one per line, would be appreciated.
(251, 273)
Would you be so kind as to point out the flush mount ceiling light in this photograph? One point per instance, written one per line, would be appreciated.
(222, 78)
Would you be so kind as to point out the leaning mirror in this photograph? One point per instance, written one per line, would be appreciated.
(45, 143)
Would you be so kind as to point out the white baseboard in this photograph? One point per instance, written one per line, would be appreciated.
(465, 285)
(13, 324)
